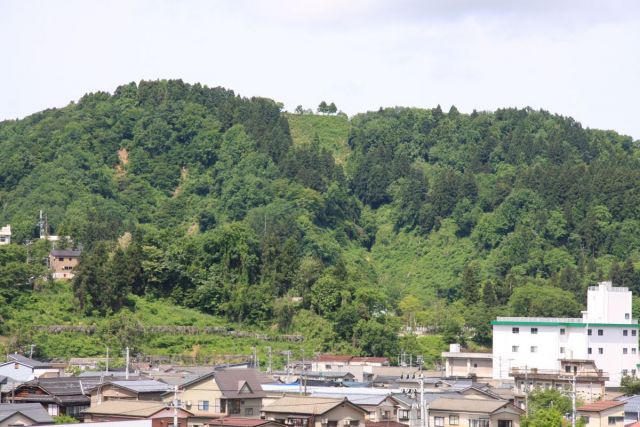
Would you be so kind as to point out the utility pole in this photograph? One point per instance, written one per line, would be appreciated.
(31, 351)
(270, 360)
(126, 370)
(573, 401)
(526, 389)
(175, 406)
(106, 368)
(423, 422)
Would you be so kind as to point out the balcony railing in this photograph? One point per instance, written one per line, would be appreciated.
(560, 374)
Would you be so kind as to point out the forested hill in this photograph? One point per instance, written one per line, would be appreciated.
(356, 227)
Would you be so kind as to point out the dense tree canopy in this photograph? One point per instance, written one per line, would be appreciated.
(428, 213)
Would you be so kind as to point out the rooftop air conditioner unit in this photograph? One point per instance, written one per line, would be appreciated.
(188, 403)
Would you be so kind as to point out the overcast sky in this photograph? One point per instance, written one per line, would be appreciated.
(575, 58)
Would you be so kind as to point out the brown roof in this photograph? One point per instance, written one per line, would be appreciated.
(332, 358)
(240, 383)
(603, 405)
(306, 405)
(486, 406)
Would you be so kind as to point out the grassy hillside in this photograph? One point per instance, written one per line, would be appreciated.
(332, 131)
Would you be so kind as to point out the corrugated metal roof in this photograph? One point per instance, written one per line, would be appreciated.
(143, 386)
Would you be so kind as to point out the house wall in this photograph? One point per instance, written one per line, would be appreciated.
(19, 372)
(63, 266)
(110, 392)
(465, 366)
(601, 419)
(339, 414)
(464, 418)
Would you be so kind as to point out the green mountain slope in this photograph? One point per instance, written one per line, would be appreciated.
(342, 230)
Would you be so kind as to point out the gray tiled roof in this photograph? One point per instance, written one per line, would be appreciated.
(26, 361)
(34, 411)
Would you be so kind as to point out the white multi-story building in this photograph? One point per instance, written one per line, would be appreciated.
(5, 235)
(606, 334)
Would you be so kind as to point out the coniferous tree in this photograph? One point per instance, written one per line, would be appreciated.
(470, 284)
(489, 296)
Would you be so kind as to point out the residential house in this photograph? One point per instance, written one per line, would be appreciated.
(23, 414)
(241, 422)
(122, 423)
(407, 410)
(227, 392)
(5, 235)
(473, 413)
(602, 413)
(60, 395)
(63, 261)
(160, 414)
(21, 369)
(631, 408)
(304, 411)
(138, 389)
(466, 364)
(379, 407)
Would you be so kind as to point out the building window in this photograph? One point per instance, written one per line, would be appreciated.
(454, 420)
(534, 330)
(327, 366)
(626, 316)
(203, 405)
(600, 350)
(515, 330)
(567, 368)
(479, 423)
(585, 420)
(534, 349)
(53, 410)
(562, 331)
(634, 333)
(625, 332)
(633, 350)
(234, 407)
(625, 372)
(600, 332)
(633, 372)
(589, 350)
(561, 350)
(403, 414)
(624, 351)
(588, 331)
(615, 420)
(514, 348)
(248, 411)
(438, 421)
(475, 365)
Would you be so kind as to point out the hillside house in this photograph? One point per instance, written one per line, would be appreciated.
(5, 235)
(466, 364)
(63, 261)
